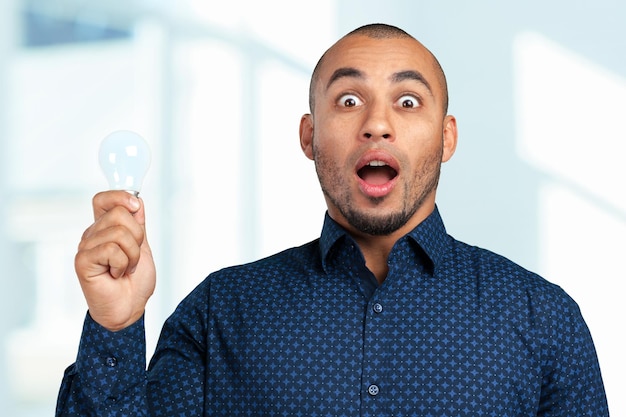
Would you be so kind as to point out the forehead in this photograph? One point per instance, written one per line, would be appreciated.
(378, 58)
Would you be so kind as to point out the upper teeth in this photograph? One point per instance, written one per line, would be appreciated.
(376, 163)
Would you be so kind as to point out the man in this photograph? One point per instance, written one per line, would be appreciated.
(385, 314)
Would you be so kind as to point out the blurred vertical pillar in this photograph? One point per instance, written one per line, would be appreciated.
(153, 42)
(9, 27)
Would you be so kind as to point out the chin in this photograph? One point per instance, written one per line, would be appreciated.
(376, 223)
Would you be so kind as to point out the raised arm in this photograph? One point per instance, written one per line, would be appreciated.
(116, 272)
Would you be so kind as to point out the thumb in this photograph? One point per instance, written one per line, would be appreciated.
(140, 213)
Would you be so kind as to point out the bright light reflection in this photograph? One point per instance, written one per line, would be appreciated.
(568, 112)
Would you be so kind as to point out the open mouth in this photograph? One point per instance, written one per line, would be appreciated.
(377, 172)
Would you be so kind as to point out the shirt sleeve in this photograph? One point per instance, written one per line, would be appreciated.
(572, 381)
(177, 370)
(110, 379)
(109, 375)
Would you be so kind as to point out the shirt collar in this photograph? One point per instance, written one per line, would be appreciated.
(430, 235)
(331, 234)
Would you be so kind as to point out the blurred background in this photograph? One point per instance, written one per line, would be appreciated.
(218, 87)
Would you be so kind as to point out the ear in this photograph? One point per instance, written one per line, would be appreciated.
(306, 135)
(450, 137)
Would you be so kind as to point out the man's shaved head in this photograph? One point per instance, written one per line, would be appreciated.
(380, 31)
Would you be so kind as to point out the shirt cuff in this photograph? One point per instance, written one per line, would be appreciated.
(111, 362)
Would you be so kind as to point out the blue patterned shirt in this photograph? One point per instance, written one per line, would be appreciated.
(454, 330)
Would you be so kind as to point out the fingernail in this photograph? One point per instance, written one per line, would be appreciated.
(134, 203)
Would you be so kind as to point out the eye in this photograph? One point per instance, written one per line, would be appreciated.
(408, 102)
(349, 100)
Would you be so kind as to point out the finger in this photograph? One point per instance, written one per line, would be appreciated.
(119, 261)
(107, 200)
(108, 257)
(116, 221)
(110, 242)
(106, 238)
(118, 235)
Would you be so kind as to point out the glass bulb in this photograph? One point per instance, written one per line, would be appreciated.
(124, 157)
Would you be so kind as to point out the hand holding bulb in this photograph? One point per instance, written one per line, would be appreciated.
(114, 262)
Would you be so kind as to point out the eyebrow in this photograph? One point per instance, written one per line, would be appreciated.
(411, 75)
(343, 73)
(397, 77)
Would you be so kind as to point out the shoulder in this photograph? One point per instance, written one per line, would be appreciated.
(505, 292)
(294, 259)
(503, 281)
(253, 280)
(288, 264)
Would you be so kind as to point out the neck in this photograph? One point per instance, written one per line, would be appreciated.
(376, 253)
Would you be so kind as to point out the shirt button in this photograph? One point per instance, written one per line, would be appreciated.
(378, 308)
(111, 362)
(373, 390)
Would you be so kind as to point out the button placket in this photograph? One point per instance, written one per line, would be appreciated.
(376, 309)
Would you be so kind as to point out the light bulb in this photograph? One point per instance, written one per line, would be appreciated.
(124, 157)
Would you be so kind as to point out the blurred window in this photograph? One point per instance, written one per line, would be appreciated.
(42, 29)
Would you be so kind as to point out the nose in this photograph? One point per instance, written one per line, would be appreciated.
(377, 123)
